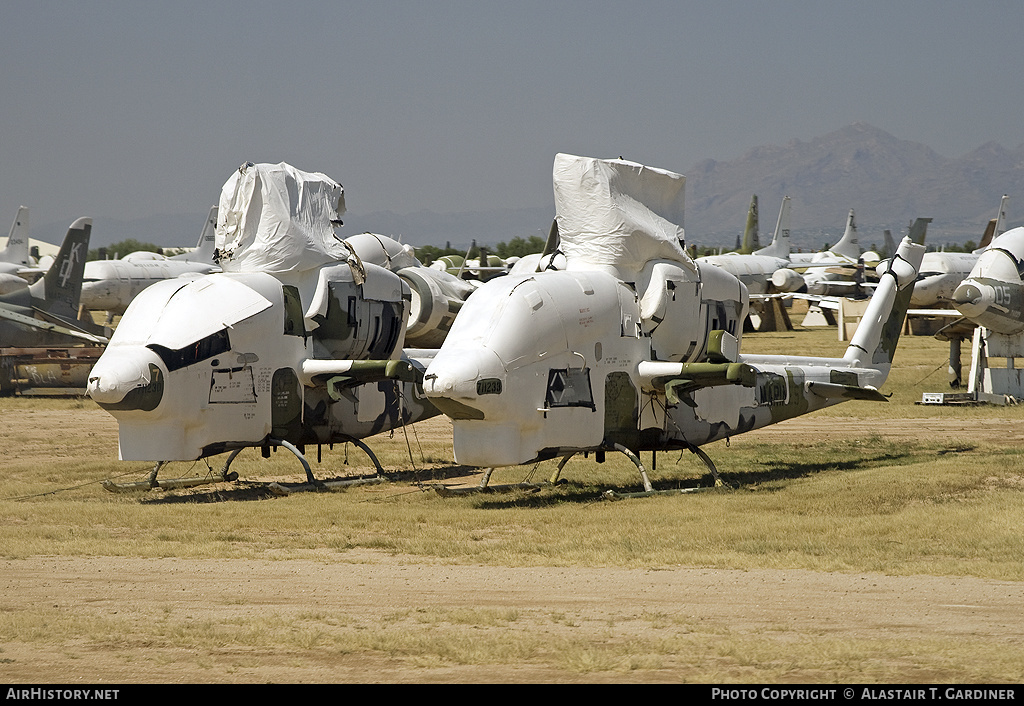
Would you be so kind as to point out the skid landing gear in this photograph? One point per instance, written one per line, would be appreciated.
(311, 484)
(649, 490)
(152, 483)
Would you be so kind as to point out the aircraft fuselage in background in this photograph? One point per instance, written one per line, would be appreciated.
(992, 294)
(110, 285)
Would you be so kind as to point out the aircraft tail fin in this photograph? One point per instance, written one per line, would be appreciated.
(207, 241)
(890, 246)
(874, 343)
(60, 290)
(1001, 216)
(750, 239)
(17, 249)
(996, 226)
(848, 245)
(779, 246)
(990, 231)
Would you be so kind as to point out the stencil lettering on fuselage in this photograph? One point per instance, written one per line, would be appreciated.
(232, 386)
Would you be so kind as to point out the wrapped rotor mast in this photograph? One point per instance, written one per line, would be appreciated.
(275, 218)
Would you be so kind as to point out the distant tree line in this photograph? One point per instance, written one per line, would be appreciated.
(517, 247)
(969, 246)
(122, 248)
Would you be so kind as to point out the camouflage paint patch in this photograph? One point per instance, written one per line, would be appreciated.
(621, 410)
(286, 405)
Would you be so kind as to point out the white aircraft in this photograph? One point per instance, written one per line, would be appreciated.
(826, 273)
(634, 346)
(942, 272)
(755, 269)
(482, 268)
(17, 268)
(550, 258)
(297, 342)
(992, 294)
(45, 313)
(110, 285)
(991, 300)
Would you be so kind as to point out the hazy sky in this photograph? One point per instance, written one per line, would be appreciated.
(127, 109)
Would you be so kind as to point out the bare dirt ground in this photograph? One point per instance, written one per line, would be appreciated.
(590, 604)
(596, 604)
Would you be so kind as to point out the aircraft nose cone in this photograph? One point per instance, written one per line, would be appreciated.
(970, 299)
(119, 372)
(966, 294)
(464, 374)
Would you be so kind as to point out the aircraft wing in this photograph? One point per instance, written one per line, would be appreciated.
(821, 300)
(349, 373)
(959, 329)
(946, 313)
(31, 274)
(680, 379)
(339, 376)
(49, 326)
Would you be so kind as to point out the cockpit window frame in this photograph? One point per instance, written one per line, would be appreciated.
(205, 348)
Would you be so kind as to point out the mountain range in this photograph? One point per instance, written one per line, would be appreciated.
(886, 180)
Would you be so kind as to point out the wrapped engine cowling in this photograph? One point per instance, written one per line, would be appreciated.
(436, 300)
(787, 280)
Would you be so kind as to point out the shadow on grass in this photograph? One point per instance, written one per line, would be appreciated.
(565, 491)
(260, 490)
(568, 491)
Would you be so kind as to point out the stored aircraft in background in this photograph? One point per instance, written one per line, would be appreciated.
(110, 285)
(436, 296)
(17, 268)
(942, 272)
(750, 240)
(826, 273)
(45, 313)
(482, 268)
(992, 294)
(634, 346)
(755, 267)
(297, 342)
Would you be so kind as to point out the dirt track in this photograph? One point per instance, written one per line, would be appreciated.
(362, 591)
(599, 604)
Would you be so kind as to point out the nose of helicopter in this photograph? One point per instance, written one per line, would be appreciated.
(126, 378)
(465, 376)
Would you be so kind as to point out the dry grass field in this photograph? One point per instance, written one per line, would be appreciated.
(868, 543)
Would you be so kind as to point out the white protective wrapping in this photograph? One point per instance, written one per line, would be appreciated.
(617, 213)
(275, 218)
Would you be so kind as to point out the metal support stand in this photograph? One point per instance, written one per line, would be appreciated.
(955, 371)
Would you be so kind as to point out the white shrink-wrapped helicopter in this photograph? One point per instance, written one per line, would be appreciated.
(634, 346)
(297, 342)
